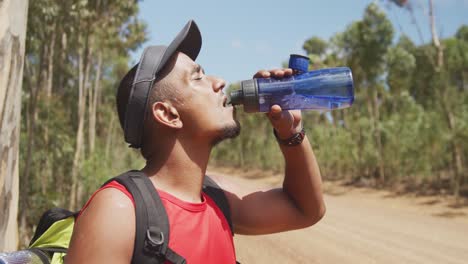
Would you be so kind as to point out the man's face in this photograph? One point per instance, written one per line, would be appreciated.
(201, 103)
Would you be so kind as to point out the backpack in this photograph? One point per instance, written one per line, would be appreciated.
(53, 233)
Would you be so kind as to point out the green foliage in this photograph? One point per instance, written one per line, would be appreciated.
(409, 120)
(415, 112)
(400, 67)
(315, 45)
(406, 144)
(63, 36)
(462, 33)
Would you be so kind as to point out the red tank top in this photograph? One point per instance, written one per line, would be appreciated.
(199, 231)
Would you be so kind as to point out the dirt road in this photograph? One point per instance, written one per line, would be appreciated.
(366, 226)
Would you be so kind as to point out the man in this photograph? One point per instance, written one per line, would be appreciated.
(175, 114)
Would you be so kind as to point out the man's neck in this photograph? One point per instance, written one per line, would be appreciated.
(179, 170)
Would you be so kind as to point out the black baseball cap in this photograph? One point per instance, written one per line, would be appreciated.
(152, 61)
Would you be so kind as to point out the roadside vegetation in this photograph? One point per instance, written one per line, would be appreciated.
(408, 124)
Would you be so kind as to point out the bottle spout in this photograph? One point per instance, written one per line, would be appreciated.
(299, 63)
(236, 97)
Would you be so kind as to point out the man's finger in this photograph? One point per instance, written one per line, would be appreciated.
(262, 74)
(275, 112)
(288, 72)
(278, 73)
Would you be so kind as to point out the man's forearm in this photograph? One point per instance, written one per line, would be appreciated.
(303, 182)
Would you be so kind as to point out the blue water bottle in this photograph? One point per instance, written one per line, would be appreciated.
(24, 257)
(324, 89)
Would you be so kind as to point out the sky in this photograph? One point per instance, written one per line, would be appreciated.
(241, 37)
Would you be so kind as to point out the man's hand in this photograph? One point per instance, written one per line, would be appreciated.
(286, 123)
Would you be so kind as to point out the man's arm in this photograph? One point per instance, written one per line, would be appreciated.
(105, 231)
(299, 203)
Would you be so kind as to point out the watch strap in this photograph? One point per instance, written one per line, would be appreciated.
(293, 140)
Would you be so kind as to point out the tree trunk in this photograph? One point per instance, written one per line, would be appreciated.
(378, 137)
(84, 55)
(374, 114)
(93, 104)
(50, 66)
(448, 111)
(359, 173)
(110, 136)
(13, 17)
(31, 118)
(457, 163)
(79, 133)
(47, 170)
(59, 178)
(30, 126)
(370, 110)
(435, 37)
(63, 57)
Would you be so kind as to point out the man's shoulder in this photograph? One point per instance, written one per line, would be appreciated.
(108, 195)
(105, 227)
(108, 203)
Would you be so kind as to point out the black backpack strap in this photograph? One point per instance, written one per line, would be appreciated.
(152, 223)
(212, 189)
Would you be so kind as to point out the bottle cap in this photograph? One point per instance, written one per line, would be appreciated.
(299, 63)
(247, 96)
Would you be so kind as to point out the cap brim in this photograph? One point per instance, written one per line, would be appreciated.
(188, 41)
(153, 60)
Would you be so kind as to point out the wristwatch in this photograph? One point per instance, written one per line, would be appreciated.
(294, 140)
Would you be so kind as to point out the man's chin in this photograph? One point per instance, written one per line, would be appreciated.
(230, 131)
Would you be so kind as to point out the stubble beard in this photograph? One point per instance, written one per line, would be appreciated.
(229, 131)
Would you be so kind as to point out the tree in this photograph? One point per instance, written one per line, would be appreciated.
(13, 16)
(77, 52)
(408, 125)
(400, 67)
(443, 91)
(315, 47)
(366, 43)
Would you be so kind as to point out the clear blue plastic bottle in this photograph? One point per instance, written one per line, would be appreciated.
(324, 89)
(23, 257)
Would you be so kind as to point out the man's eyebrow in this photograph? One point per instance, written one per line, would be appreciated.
(198, 68)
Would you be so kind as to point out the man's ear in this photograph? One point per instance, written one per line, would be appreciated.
(166, 114)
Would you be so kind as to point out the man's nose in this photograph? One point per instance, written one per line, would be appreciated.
(218, 84)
